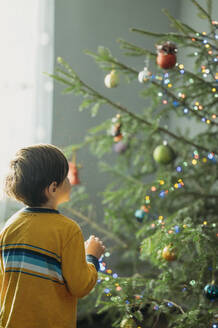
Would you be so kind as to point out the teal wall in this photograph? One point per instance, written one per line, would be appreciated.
(82, 24)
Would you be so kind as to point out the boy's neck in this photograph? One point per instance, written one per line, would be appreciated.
(51, 205)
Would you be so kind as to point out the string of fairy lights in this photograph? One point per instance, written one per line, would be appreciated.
(196, 158)
(206, 71)
(109, 274)
(165, 79)
(162, 193)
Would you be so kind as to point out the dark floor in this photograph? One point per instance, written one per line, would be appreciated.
(95, 321)
(103, 321)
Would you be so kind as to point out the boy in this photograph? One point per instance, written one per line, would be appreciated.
(44, 265)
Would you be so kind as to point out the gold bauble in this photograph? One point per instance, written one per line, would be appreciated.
(168, 253)
(128, 323)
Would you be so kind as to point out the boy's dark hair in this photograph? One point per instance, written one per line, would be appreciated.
(32, 170)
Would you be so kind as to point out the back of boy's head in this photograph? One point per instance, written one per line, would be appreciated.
(32, 170)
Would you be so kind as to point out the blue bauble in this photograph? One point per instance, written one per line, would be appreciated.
(211, 291)
(139, 214)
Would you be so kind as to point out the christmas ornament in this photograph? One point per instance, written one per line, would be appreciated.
(140, 214)
(192, 283)
(128, 323)
(144, 75)
(120, 147)
(116, 128)
(166, 55)
(111, 80)
(211, 291)
(163, 154)
(168, 253)
(215, 321)
(73, 171)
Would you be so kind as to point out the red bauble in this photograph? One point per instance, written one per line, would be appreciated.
(166, 60)
(166, 57)
(73, 174)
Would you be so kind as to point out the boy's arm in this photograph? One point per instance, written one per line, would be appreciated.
(79, 275)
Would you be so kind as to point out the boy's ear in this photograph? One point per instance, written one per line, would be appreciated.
(51, 188)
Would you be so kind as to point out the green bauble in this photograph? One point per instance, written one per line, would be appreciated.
(163, 154)
(128, 323)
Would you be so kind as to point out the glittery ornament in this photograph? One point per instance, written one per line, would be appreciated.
(140, 214)
(168, 253)
(112, 79)
(120, 147)
(215, 321)
(166, 57)
(211, 291)
(163, 154)
(116, 128)
(144, 75)
(128, 323)
(192, 283)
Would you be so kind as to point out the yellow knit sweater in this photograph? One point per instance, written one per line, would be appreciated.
(43, 270)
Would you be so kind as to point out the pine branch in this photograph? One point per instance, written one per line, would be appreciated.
(200, 79)
(154, 34)
(176, 23)
(167, 301)
(128, 178)
(200, 195)
(133, 71)
(164, 35)
(176, 305)
(214, 102)
(177, 37)
(89, 139)
(138, 118)
(139, 50)
(156, 320)
(96, 226)
(93, 93)
(113, 61)
(127, 68)
(183, 102)
(202, 10)
(209, 7)
(143, 121)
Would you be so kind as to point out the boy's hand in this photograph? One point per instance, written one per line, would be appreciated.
(94, 246)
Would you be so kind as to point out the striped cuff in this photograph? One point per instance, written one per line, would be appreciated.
(92, 259)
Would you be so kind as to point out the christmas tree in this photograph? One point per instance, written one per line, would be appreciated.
(160, 207)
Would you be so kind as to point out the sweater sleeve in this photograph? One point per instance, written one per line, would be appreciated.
(80, 276)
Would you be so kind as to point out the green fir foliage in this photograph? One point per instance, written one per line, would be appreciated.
(179, 198)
